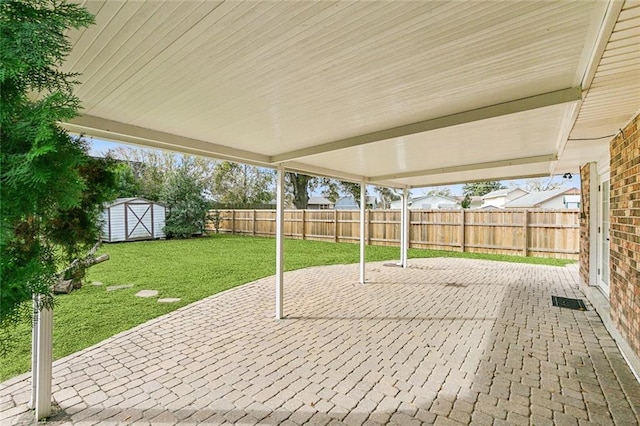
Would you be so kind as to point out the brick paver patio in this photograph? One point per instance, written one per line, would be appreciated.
(447, 341)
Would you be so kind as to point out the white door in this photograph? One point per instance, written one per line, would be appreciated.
(138, 221)
(603, 234)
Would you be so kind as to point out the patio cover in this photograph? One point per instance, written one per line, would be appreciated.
(404, 94)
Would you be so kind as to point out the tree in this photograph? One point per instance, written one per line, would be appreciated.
(129, 184)
(481, 188)
(144, 172)
(150, 169)
(183, 194)
(351, 189)
(466, 202)
(235, 183)
(330, 189)
(334, 188)
(539, 184)
(300, 186)
(51, 190)
(443, 192)
(387, 195)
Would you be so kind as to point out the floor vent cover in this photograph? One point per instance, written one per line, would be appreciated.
(565, 302)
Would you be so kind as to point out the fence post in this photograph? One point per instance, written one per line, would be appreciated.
(233, 221)
(335, 225)
(525, 231)
(368, 227)
(304, 212)
(462, 230)
(253, 228)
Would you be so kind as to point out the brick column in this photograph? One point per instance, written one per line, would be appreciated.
(585, 211)
(625, 234)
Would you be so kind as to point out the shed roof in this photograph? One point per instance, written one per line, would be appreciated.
(404, 94)
(119, 201)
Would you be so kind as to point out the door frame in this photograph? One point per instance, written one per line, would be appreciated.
(603, 233)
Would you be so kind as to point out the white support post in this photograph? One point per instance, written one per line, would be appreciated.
(44, 366)
(363, 205)
(404, 223)
(279, 241)
(34, 352)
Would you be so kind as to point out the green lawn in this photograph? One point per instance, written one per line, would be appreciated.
(190, 270)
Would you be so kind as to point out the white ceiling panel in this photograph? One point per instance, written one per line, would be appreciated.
(258, 81)
(526, 134)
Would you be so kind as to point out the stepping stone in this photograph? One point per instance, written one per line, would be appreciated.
(169, 300)
(96, 283)
(147, 293)
(119, 287)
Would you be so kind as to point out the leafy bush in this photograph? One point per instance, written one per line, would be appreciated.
(186, 207)
(51, 190)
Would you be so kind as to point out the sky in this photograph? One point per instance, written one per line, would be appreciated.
(99, 148)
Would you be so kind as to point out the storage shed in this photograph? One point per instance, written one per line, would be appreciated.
(133, 219)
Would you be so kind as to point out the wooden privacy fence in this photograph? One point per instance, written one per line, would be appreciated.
(532, 232)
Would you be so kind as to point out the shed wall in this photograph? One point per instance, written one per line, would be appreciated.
(117, 223)
(159, 213)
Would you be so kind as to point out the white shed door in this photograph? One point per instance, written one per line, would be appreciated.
(139, 221)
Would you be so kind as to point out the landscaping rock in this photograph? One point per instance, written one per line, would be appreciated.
(119, 287)
(63, 287)
(147, 293)
(169, 300)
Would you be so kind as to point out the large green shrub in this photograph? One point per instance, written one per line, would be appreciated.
(186, 206)
(51, 190)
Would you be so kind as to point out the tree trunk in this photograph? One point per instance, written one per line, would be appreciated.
(300, 185)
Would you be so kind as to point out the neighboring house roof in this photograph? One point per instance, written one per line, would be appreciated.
(425, 197)
(501, 192)
(535, 199)
(319, 200)
(346, 203)
(430, 201)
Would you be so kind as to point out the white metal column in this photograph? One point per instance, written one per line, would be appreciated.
(34, 352)
(42, 374)
(363, 205)
(279, 241)
(404, 232)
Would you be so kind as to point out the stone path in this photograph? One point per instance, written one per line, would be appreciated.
(119, 287)
(447, 341)
(147, 293)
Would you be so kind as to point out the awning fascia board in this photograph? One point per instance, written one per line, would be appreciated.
(468, 167)
(123, 132)
(571, 94)
(453, 181)
(308, 169)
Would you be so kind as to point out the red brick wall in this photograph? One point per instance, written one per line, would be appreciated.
(625, 233)
(585, 206)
